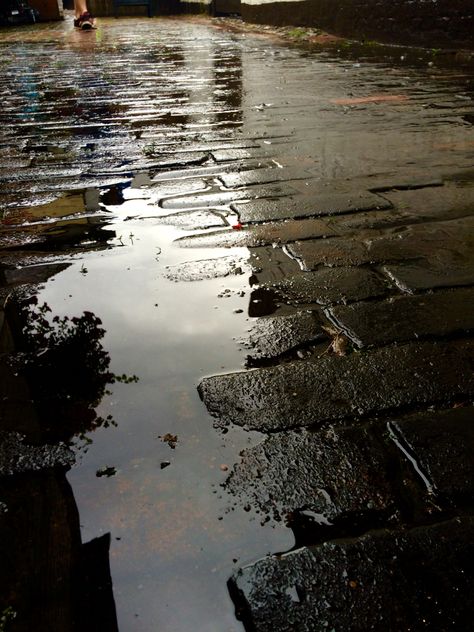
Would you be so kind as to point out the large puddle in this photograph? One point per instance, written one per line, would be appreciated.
(175, 533)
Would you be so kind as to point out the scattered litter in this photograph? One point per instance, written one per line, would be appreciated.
(106, 471)
(170, 439)
(339, 342)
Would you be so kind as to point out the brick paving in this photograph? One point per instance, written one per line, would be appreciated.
(350, 182)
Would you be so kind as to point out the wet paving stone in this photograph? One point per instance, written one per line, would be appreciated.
(308, 393)
(259, 235)
(262, 176)
(327, 475)
(194, 220)
(386, 580)
(17, 457)
(161, 190)
(31, 274)
(447, 271)
(227, 197)
(208, 170)
(331, 285)
(409, 184)
(330, 252)
(319, 205)
(437, 240)
(435, 442)
(275, 335)
(208, 269)
(224, 155)
(451, 200)
(402, 318)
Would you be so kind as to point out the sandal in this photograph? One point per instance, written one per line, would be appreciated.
(85, 22)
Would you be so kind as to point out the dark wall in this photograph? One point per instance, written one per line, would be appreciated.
(434, 23)
(101, 8)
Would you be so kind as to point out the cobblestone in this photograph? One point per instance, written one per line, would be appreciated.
(310, 392)
(348, 584)
(405, 318)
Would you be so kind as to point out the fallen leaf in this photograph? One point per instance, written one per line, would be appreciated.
(106, 471)
(170, 439)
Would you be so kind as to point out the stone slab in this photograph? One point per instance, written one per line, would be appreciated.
(190, 220)
(259, 235)
(331, 285)
(162, 190)
(210, 170)
(405, 318)
(433, 241)
(207, 269)
(33, 274)
(442, 446)
(327, 475)
(318, 205)
(307, 393)
(223, 198)
(262, 176)
(314, 253)
(225, 155)
(273, 336)
(407, 184)
(17, 456)
(426, 275)
(388, 580)
(445, 202)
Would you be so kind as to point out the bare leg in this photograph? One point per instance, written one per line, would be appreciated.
(80, 7)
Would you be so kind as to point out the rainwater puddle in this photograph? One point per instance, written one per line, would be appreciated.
(175, 536)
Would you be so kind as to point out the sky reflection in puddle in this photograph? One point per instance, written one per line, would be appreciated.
(176, 535)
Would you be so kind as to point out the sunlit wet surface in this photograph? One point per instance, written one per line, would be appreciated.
(105, 136)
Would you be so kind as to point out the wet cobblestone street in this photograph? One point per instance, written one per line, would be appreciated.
(236, 351)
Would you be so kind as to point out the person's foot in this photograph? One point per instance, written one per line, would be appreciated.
(85, 22)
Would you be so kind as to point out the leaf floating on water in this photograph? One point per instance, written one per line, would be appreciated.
(170, 439)
(106, 471)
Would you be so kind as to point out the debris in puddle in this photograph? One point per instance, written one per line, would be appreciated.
(207, 269)
(106, 471)
(170, 439)
(164, 464)
(224, 467)
(339, 343)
